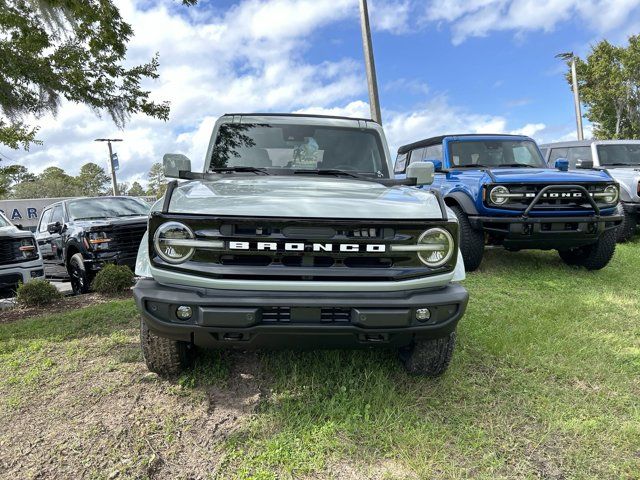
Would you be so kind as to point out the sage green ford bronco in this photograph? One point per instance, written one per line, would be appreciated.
(296, 236)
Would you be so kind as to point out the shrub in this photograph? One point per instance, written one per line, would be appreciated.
(113, 279)
(37, 293)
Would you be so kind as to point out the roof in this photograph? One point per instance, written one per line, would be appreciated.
(437, 140)
(586, 143)
(306, 115)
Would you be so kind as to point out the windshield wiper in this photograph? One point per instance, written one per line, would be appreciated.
(477, 165)
(261, 171)
(329, 171)
(620, 165)
(518, 165)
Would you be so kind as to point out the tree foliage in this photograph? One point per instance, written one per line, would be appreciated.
(157, 181)
(136, 190)
(609, 85)
(68, 49)
(51, 183)
(93, 180)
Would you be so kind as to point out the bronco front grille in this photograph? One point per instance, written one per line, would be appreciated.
(560, 198)
(369, 262)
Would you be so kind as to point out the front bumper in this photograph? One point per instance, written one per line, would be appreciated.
(546, 232)
(96, 261)
(257, 319)
(631, 208)
(12, 275)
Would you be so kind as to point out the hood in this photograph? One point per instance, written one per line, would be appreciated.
(111, 222)
(302, 197)
(548, 175)
(14, 232)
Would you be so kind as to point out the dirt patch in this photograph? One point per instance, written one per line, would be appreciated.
(65, 304)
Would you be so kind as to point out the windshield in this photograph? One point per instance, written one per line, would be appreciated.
(495, 153)
(107, 207)
(283, 149)
(620, 154)
(3, 221)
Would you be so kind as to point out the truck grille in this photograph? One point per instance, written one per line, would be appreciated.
(9, 251)
(127, 238)
(556, 199)
(308, 263)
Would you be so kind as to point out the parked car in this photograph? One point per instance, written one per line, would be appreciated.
(622, 160)
(503, 193)
(296, 236)
(78, 236)
(20, 260)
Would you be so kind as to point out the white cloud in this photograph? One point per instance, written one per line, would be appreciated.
(477, 18)
(530, 129)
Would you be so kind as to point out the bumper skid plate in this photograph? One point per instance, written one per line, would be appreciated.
(256, 319)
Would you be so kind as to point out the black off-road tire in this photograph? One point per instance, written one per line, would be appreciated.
(471, 241)
(166, 357)
(627, 228)
(429, 357)
(593, 257)
(80, 277)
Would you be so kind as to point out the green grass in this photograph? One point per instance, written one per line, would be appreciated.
(544, 384)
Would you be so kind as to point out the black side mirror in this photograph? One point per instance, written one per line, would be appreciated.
(54, 228)
(19, 226)
(584, 164)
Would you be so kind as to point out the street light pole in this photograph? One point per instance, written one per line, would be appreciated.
(569, 56)
(114, 182)
(367, 45)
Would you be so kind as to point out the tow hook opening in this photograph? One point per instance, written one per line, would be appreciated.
(374, 337)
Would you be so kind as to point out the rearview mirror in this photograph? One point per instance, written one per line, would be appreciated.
(584, 164)
(422, 172)
(437, 164)
(562, 164)
(174, 163)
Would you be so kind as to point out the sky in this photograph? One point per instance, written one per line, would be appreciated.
(444, 66)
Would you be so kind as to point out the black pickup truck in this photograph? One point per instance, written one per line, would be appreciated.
(78, 236)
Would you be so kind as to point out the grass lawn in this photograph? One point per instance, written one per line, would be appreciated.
(544, 384)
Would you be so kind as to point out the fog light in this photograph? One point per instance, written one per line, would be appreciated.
(423, 314)
(184, 312)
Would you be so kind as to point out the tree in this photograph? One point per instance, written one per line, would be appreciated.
(76, 50)
(609, 85)
(136, 190)
(52, 182)
(93, 180)
(11, 175)
(123, 188)
(157, 181)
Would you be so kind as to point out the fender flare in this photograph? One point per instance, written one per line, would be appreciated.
(462, 199)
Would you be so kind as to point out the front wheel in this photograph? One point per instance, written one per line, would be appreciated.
(80, 278)
(471, 241)
(166, 357)
(627, 228)
(595, 256)
(429, 357)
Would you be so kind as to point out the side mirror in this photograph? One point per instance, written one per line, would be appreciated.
(19, 226)
(437, 164)
(584, 164)
(54, 228)
(422, 172)
(562, 164)
(174, 163)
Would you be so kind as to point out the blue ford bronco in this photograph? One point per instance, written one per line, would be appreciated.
(503, 193)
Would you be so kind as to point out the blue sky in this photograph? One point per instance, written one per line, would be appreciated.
(443, 66)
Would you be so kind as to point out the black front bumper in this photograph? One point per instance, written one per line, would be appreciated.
(96, 261)
(269, 319)
(546, 232)
(631, 208)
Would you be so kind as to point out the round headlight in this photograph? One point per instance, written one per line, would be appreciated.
(498, 195)
(437, 248)
(171, 242)
(611, 194)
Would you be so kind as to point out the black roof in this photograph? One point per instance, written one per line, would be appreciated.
(427, 142)
(296, 115)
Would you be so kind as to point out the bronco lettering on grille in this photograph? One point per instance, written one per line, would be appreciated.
(301, 247)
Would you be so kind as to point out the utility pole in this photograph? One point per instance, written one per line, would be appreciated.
(570, 57)
(114, 183)
(372, 82)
